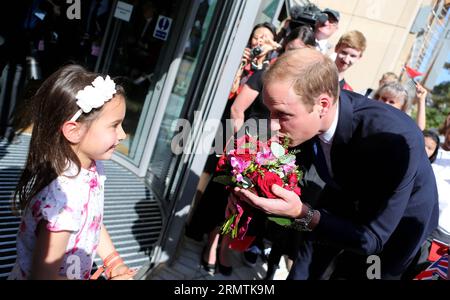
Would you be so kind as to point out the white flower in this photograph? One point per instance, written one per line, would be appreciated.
(95, 95)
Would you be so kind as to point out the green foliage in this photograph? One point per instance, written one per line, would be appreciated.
(281, 221)
(440, 106)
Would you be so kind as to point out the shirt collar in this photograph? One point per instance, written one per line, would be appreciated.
(322, 44)
(327, 136)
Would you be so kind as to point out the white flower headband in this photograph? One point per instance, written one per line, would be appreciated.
(95, 95)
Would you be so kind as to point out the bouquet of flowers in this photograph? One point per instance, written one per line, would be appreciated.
(257, 165)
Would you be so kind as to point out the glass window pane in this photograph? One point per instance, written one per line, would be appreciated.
(163, 160)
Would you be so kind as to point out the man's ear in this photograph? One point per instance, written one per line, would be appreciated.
(325, 103)
(72, 131)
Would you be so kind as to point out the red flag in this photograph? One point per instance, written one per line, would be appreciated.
(412, 73)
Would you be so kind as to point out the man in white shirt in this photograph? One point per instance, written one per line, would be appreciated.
(324, 30)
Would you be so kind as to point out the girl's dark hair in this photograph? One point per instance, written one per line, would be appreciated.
(50, 152)
(432, 134)
(445, 124)
(305, 33)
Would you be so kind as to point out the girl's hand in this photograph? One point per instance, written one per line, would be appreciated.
(421, 92)
(122, 272)
(247, 56)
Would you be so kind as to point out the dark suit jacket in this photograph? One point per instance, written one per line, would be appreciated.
(383, 200)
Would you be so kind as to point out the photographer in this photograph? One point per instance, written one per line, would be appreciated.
(256, 56)
(325, 24)
(325, 29)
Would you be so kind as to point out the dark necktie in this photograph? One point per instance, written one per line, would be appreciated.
(320, 162)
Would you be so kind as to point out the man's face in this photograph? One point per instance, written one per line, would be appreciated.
(327, 29)
(346, 57)
(289, 115)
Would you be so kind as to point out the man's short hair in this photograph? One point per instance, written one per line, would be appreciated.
(310, 72)
(353, 39)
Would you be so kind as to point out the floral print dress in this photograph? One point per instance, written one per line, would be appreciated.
(69, 203)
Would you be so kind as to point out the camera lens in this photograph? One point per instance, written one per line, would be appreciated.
(256, 51)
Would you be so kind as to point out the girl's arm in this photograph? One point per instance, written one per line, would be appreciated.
(421, 95)
(49, 253)
(105, 249)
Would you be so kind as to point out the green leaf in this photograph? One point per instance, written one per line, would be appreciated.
(286, 159)
(223, 179)
(277, 149)
(281, 221)
(246, 183)
(247, 146)
(226, 227)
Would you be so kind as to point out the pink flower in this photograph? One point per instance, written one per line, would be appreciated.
(96, 223)
(93, 183)
(239, 164)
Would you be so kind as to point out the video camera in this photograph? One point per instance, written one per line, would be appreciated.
(306, 15)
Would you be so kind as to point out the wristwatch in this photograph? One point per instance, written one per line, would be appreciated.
(302, 224)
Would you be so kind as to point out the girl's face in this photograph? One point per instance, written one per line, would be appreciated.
(396, 101)
(430, 146)
(104, 134)
(260, 36)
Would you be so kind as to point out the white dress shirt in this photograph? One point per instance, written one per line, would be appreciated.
(441, 168)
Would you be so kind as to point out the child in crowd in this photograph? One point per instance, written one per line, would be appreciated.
(77, 121)
(439, 239)
(385, 78)
(349, 50)
(432, 142)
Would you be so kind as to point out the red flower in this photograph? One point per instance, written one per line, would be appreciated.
(245, 156)
(292, 180)
(221, 164)
(264, 184)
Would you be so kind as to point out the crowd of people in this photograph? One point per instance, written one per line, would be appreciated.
(384, 188)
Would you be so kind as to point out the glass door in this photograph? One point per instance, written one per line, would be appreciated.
(163, 163)
(142, 36)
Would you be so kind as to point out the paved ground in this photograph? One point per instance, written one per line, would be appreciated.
(187, 266)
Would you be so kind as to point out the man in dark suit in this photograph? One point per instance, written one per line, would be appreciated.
(380, 196)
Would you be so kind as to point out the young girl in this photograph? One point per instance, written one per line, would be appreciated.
(78, 120)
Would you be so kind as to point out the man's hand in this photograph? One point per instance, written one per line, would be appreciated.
(231, 205)
(288, 205)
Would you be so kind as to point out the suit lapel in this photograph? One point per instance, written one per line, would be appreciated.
(344, 131)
